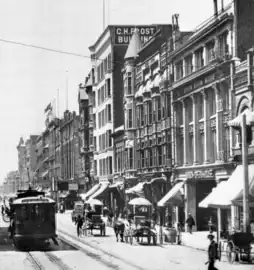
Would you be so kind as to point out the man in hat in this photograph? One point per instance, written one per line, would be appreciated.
(190, 222)
(212, 252)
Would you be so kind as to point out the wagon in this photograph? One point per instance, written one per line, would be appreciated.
(239, 247)
(141, 226)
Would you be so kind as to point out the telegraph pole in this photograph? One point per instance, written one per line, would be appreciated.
(246, 216)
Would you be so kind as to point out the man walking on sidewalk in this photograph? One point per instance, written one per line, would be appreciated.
(79, 224)
(212, 253)
(190, 222)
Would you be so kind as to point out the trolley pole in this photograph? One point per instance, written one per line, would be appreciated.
(246, 216)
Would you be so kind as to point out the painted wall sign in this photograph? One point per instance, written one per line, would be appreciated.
(123, 34)
(200, 174)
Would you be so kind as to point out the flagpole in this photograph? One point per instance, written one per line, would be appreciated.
(67, 90)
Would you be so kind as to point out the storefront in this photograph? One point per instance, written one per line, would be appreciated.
(227, 197)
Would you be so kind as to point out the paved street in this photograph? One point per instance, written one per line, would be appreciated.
(63, 256)
(142, 256)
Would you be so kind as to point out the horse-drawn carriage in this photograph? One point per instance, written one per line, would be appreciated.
(141, 226)
(93, 217)
(239, 247)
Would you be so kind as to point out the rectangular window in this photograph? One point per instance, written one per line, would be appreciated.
(94, 143)
(129, 83)
(210, 51)
(142, 115)
(109, 138)
(159, 148)
(99, 97)
(142, 159)
(109, 87)
(109, 113)
(150, 112)
(105, 65)
(201, 148)
(130, 118)
(109, 62)
(131, 157)
(93, 101)
(150, 157)
(188, 65)
(110, 165)
(191, 148)
(138, 116)
(223, 46)
(98, 73)
(179, 70)
(199, 58)
(159, 108)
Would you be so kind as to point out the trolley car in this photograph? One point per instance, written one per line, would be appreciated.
(32, 220)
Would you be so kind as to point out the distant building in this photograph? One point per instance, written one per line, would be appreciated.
(107, 55)
(22, 164)
(86, 156)
(11, 183)
(70, 156)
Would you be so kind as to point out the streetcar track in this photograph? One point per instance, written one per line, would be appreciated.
(34, 261)
(57, 261)
(97, 256)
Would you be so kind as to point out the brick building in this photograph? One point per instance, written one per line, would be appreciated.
(107, 55)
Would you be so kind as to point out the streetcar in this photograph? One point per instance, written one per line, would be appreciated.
(32, 219)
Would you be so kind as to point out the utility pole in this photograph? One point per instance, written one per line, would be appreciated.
(246, 216)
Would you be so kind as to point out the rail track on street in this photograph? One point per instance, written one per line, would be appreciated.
(44, 260)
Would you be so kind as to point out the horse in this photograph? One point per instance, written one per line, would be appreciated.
(119, 229)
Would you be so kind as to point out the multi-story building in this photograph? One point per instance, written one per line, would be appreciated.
(92, 125)
(11, 183)
(31, 157)
(22, 164)
(85, 140)
(107, 61)
(147, 116)
(70, 155)
(54, 154)
(201, 84)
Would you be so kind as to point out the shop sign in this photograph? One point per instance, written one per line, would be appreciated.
(123, 34)
(199, 174)
(73, 186)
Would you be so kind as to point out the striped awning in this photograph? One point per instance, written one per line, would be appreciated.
(174, 196)
(237, 122)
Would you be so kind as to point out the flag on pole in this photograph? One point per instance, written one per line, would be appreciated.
(48, 108)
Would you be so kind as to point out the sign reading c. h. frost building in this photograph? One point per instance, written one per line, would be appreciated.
(123, 34)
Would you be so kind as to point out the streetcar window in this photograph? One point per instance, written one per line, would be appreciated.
(35, 212)
(24, 212)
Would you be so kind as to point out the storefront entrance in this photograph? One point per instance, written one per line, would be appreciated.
(203, 215)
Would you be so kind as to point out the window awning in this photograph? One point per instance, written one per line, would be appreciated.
(174, 196)
(101, 192)
(136, 190)
(159, 180)
(227, 193)
(237, 122)
(90, 192)
(45, 174)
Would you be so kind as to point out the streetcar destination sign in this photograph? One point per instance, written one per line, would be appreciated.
(123, 34)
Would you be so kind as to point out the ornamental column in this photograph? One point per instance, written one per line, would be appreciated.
(174, 134)
(185, 134)
(195, 130)
(219, 124)
(206, 127)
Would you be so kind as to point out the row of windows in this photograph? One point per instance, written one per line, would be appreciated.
(151, 111)
(105, 166)
(105, 140)
(154, 156)
(104, 92)
(212, 153)
(105, 116)
(104, 67)
(201, 57)
(128, 89)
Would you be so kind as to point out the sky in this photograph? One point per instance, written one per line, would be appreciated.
(30, 78)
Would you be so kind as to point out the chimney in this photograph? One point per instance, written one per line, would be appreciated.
(215, 4)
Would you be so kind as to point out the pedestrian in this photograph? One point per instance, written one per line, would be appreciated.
(190, 223)
(79, 223)
(212, 253)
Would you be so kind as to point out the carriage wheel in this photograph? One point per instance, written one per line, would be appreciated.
(231, 253)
